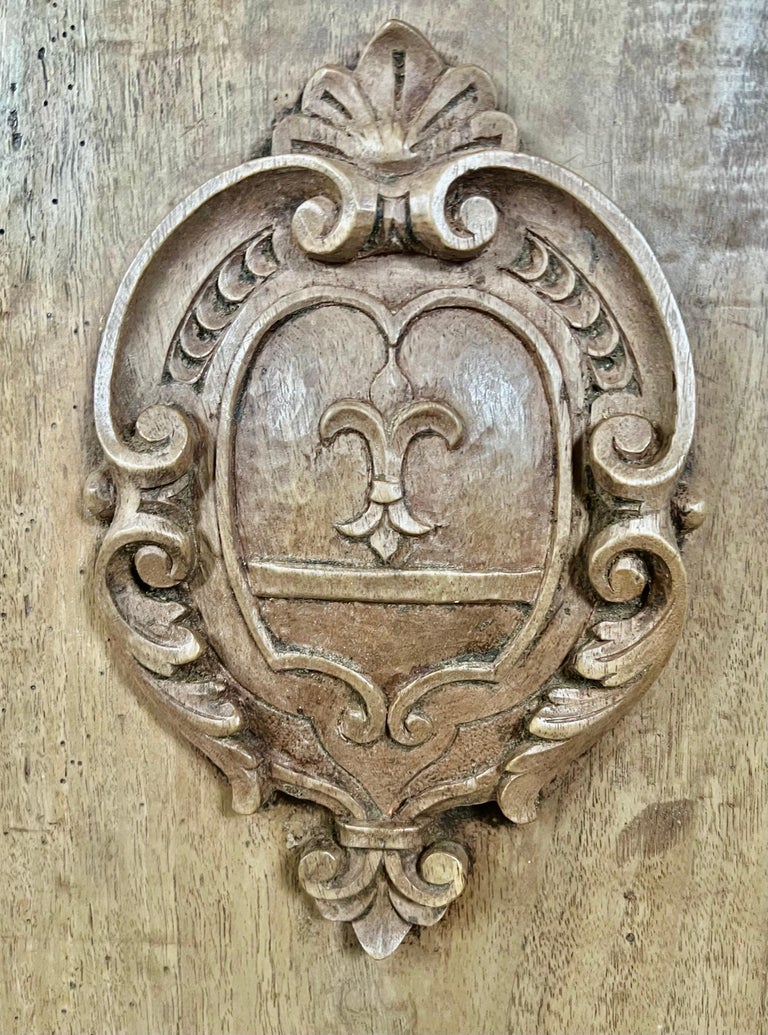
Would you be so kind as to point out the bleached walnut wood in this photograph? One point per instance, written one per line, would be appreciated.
(394, 422)
(132, 897)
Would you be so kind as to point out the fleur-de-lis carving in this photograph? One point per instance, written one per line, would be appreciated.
(386, 517)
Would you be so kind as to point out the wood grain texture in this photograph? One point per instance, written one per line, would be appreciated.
(132, 898)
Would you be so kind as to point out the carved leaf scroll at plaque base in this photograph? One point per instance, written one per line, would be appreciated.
(394, 423)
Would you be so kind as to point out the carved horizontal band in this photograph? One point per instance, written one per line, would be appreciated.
(401, 586)
(379, 836)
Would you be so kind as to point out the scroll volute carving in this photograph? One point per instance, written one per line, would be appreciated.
(394, 423)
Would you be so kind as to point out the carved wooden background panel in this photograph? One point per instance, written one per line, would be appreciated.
(133, 899)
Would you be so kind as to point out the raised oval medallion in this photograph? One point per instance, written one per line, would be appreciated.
(393, 423)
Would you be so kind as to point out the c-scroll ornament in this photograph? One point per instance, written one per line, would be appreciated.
(394, 425)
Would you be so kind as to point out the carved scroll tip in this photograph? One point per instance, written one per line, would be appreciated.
(518, 796)
(99, 495)
(689, 509)
(249, 791)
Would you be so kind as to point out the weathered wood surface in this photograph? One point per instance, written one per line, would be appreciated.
(132, 898)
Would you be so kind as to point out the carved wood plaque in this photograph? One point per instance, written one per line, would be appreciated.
(394, 423)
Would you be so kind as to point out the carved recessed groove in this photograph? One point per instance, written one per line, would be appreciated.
(393, 425)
